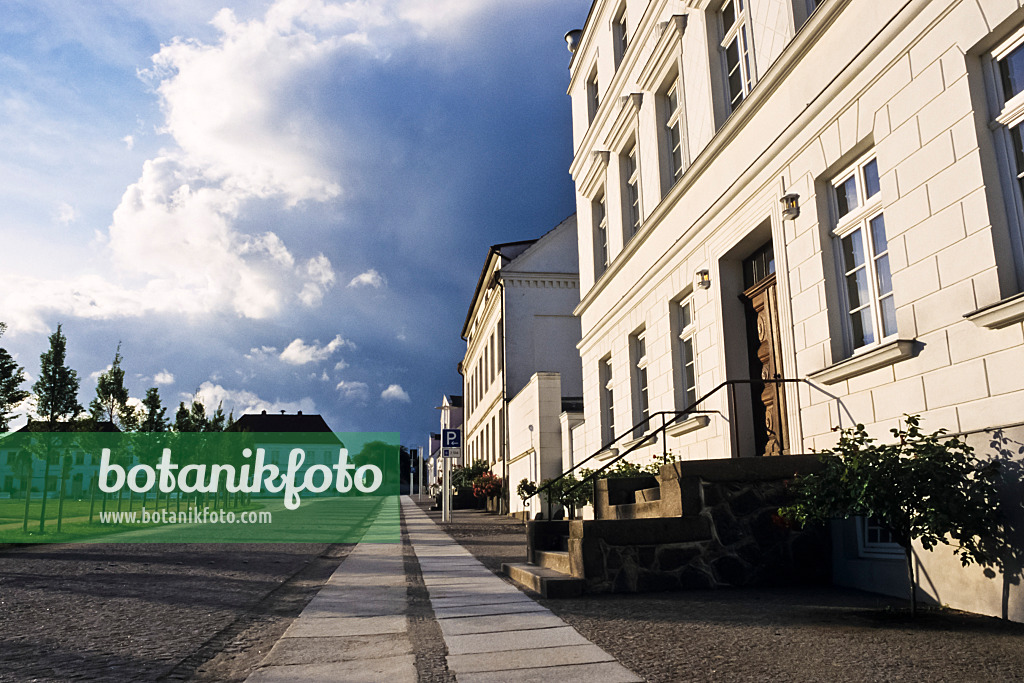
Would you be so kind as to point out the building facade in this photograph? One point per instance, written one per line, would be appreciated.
(520, 322)
(825, 192)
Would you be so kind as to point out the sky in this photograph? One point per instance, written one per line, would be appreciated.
(274, 204)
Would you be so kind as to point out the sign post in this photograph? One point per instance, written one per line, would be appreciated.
(451, 447)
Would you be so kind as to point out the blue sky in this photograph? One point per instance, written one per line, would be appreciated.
(279, 204)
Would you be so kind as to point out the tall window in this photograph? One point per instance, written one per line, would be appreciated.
(686, 377)
(641, 397)
(601, 257)
(736, 51)
(620, 35)
(630, 193)
(672, 123)
(864, 254)
(1008, 67)
(607, 400)
(593, 95)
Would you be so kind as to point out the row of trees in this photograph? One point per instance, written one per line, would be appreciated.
(56, 397)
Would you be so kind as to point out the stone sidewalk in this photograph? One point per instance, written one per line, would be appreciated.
(357, 629)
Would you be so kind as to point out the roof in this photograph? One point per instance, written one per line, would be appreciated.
(102, 426)
(268, 423)
(455, 400)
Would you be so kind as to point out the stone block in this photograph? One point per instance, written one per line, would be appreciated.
(674, 557)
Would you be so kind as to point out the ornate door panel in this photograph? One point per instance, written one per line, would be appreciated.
(769, 407)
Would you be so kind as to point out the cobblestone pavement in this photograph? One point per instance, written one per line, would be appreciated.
(796, 634)
(150, 612)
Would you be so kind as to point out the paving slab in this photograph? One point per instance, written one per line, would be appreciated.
(400, 669)
(487, 610)
(523, 659)
(336, 649)
(460, 626)
(603, 672)
(514, 640)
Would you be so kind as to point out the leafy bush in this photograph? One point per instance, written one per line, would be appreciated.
(923, 487)
(462, 477)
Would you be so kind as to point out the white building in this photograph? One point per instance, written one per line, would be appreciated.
(520, 322)
(898, 287)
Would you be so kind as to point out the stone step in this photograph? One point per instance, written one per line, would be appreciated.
(648, 495)
(553, 559)
(645, 510)
(548, 582)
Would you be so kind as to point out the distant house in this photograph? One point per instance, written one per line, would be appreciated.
(520, 322)
(277, 438)
(82, 470)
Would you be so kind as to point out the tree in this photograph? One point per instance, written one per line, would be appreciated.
(11, 378)
(56, 393)
(924, 487)
(111, 401)
(154, 414)
(56, 389)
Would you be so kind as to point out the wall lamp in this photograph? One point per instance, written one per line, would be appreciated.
(702, 278)
(790, 206)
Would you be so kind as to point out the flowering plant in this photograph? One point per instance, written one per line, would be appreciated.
(486, 485)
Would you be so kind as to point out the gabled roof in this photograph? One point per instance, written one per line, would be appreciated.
(454, 400)
(268, 423)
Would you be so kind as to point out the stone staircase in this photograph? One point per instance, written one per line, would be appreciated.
(697, 524)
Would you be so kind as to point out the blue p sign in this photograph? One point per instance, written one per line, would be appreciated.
(451, 438)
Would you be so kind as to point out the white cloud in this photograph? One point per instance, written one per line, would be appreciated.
(395, 393)
(340, 365)
(301, 353)
(163, 378)
(370, 278)
(241, 402)
(66, 214)
(129, 142)
(94, 376)
(357, 392)
(262, 353)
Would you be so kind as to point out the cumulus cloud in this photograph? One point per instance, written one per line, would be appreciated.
(261, 353)
(301, 353)
(129, 142)
(395, 393)
(356, 392)
(163, 378)
(370, 278)
(241, 402)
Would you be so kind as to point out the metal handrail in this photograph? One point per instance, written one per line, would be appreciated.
(647, 436)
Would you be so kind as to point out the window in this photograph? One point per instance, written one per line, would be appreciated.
(672, 129)
(864, 255)
(641, 398)
(607, 400)
(620, 35)
(630, 193)
(686, 377)
(593, 95)
(1008, 88)
(601, 258)
(873, 539)
(736, 52)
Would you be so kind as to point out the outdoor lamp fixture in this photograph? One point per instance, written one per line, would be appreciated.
(790, 206)
(703, 278)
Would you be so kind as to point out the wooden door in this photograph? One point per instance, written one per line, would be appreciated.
(765, 353)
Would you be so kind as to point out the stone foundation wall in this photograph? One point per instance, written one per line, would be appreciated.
(747, 545)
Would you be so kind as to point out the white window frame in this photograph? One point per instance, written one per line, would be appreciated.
(640, 354)
(685, 326)
(739, 33)
(602, 249)
(606, 377)
(593, 94)
(862, 218)
(870, 543)
(629, 171)
(620, 35)
(1009, 115)
(674, 150)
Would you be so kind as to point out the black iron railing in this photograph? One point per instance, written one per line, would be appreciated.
(648, 436)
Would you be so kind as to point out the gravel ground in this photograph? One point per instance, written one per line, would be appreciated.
(795, 634)
(151, 612)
